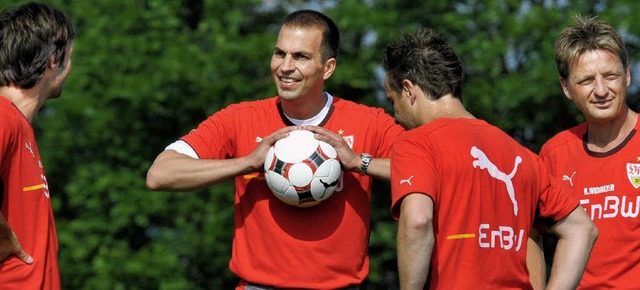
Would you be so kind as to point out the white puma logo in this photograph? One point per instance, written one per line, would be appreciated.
(258, 139)
(483, 162)
(28, 146)
(567, 178)
(408, 180)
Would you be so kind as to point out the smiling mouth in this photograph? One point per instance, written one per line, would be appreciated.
(601, 103)
(287, 80)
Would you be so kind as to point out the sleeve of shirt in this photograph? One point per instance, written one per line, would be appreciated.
(389, 132)
(7, 130)
(413, 170)
(555, 202)
(545, 155)
(213, 138)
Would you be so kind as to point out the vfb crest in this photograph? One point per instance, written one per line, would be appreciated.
(633, 173)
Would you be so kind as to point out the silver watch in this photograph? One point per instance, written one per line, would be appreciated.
(366, 158)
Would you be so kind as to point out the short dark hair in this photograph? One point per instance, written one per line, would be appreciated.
(311, 18)
(587, 34)
(29, 35)
(425, 58)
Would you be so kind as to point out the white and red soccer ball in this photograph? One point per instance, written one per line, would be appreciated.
(301, 170)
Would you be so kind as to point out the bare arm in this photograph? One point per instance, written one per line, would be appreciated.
(415, 240)
(576, 236)
(9, 244)
(378, 167)
(535, 260)
(173, 171)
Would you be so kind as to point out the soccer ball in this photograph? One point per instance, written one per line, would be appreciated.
(301, 170)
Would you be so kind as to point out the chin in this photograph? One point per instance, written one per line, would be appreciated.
(403, 124)
(55, 95)
(288, 96)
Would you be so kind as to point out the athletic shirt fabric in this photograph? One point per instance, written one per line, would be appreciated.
(26, 205)
(321, 247)
(608, 186)
(480, 239)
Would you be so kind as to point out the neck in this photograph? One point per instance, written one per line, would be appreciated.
(305, 107)
(445, 107)
(603, 137)
(27, 102)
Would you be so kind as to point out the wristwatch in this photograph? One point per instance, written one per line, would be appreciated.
(366, 158)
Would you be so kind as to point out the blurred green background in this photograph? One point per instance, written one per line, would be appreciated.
(146, 72)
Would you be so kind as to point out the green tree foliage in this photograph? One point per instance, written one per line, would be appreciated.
(145, 72)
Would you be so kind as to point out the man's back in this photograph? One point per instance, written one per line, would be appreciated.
(485, 187)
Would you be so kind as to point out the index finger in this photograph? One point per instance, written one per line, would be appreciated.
(317, 130)
(279, 134)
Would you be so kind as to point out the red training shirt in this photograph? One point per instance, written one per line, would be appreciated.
(486, 188)
(26, 205)
(608, 186)
(321, 247)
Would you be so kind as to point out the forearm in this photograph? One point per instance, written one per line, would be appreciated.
(5, 238)
(568, 264)
(380, 168)
(5, 230)
(173, 171)
(415, 242)
(535, 261)
(413, 264)
(9, 244)
(576, 236)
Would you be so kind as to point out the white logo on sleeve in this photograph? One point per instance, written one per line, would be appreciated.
(408, 180)
(28, 146)
(567, 178)
(483, 162)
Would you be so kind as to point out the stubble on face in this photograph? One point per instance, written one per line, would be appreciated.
(60, 74)
(394, 98)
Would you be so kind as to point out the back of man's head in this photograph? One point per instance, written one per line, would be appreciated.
(425, 58)
(30, 35)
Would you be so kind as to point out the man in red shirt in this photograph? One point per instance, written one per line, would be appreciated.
(36, 43)
(277, 245)
(465, 193)
(598, 161)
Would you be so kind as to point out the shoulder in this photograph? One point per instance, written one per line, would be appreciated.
(565, 138)
(353, 107)
(419, 137)
(457, 127)
(253, 105)
(9, 116)
(367, 116)
(246, 109)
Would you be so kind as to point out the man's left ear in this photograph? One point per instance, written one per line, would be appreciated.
(628, 76)
(410, 88)
(329, 68)
(52, 61)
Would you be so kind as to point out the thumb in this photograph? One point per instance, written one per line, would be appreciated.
(25, 257)
(18, 251)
